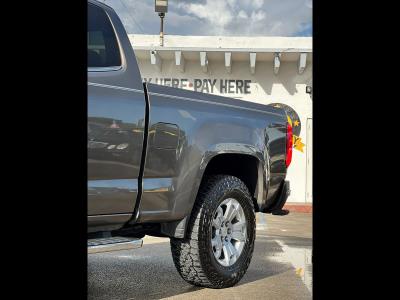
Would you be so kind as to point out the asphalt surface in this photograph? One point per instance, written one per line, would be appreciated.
(280, 268)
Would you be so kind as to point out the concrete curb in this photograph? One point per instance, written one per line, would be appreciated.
(299, 207)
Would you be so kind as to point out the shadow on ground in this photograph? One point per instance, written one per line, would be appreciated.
(149, 273)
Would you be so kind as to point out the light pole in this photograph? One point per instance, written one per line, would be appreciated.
(161, 7)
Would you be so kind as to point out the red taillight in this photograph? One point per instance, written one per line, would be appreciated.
(289, 144)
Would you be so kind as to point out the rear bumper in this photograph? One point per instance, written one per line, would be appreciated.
(281, 198)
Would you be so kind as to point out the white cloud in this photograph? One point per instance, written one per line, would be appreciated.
(258, 3)
(257, 16)
(218, 17)
(242, 15)
(217, 13)
(232, 3)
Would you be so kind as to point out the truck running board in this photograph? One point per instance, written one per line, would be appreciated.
(116, 243)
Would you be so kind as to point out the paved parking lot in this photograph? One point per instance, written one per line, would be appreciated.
(280, 269)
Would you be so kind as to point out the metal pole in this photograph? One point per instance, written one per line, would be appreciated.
(162, 29)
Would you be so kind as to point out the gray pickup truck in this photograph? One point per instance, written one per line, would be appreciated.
(176, 163)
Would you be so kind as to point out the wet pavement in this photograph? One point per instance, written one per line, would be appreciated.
(280, 268)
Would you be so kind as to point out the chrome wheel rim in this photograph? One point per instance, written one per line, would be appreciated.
(229, 230)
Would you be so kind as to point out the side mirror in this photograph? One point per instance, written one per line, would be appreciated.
(309, 89)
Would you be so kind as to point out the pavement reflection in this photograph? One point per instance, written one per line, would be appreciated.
(281, 267)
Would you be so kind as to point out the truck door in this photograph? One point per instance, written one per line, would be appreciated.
(116, 112)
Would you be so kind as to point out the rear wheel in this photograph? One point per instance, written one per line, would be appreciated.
(220, 236)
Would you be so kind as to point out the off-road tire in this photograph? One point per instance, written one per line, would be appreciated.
(193, 256)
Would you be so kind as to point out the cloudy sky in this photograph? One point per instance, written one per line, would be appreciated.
(219, 17)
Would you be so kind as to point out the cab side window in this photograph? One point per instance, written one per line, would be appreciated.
(103, 49)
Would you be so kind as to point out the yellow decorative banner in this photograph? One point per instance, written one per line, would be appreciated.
(289, 120)
(297, 144)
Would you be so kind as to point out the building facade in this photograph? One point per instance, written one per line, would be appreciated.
(268, 70)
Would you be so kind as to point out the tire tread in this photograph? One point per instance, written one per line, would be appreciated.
(192, 264)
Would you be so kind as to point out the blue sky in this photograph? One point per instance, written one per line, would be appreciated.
(219, 17)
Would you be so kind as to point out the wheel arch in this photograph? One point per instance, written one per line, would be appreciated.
(248, 168)
(251, 170)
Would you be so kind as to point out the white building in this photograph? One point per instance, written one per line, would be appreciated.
(257, 69)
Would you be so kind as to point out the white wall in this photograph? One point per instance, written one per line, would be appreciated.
(287, 87)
